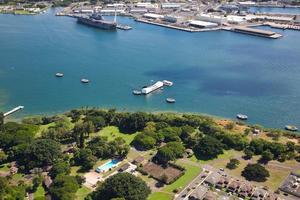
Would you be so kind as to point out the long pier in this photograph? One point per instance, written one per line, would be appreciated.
(16, 109)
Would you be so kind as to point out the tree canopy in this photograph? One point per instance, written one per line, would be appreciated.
(122, 185)
(255, 172)
(64, 188)
(208, 148)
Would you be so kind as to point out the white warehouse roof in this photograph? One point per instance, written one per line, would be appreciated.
(203, 24)
(153, 15)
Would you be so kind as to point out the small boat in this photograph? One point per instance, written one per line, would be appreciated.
(170, 100)
(59, 74)
(242, 117)
(167, 83)
(291, 128)
(84, 80)
(136, 92)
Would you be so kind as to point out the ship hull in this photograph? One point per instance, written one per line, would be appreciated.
(98, 24)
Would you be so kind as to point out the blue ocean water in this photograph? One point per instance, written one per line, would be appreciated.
(219, 73)
(275, 10)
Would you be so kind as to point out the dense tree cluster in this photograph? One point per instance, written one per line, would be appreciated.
(169, 152)
(122, 185)
(208, 147)
(102, 148)
(233, 163)
(64, 187)
(255, 172)
(11, 192)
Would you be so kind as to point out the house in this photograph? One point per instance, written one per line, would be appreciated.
(234, 186)
(213, 179)
(198, 193)
(259, 194)
(223, 182)
(246, 190)
(124, 167)
(140, 160)
(210, 196)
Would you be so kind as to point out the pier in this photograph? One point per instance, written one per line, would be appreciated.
(283, 26)
(191, 30)
(16, 109)
(256, 32)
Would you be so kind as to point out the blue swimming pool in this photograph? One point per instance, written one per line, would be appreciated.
(105, 167)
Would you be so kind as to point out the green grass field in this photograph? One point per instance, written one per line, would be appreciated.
(160, 196)
(111, 132)
(4, 168)
(39, 193)
(82, 193)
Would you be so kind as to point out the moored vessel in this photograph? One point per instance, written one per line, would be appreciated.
(59, 74)
(136, 92)
(170, 100)
(84, 80)
(242, 116)
(167, 83)
(96, 20)
(291, 128)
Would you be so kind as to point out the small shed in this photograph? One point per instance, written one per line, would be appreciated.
(124, 167)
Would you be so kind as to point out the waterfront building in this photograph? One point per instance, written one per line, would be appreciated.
(170, 5)
(212, 18)
(202, 24)
(146, 5)
(138, 10)
(153, 16)
(112, 11)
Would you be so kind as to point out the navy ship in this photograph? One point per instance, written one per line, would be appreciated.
(96, 20)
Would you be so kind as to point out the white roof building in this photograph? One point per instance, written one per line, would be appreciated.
(212, 18)
(146, 5)
(170, 5)
(202, 24)
(153, 16)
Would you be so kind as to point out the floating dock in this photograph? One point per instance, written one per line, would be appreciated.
(256, 32)
(16, 109)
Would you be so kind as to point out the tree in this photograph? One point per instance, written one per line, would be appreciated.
(98, 121)
(64, 188)
(82, 131)
(255, 172)
(3, 156)
(122, 185)
(233, 163)
(266, 156)
(169, 152)
(84, 158)
(143, 141)
(8, 192)
(41, 153)
(119, 148)
(59, 167)
(248, 154)
(208, 148)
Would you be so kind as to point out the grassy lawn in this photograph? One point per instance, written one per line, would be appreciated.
(39, 193)
(160, 196)
(4, 168)
(82, 193)
(111, 132)
(191, 172)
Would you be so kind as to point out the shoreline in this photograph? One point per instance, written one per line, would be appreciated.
(214, 117)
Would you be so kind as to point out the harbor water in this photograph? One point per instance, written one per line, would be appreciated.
(218, 73)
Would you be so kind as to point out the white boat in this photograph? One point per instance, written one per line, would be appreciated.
(151, 88)
(167, 83)
(291, 128)
(170, 100)
(242, 117)
(84, 80)
(59, 74)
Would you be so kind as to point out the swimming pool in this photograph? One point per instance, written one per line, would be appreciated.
(105, 167)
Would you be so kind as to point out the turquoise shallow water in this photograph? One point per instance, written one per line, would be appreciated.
(218, 73)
